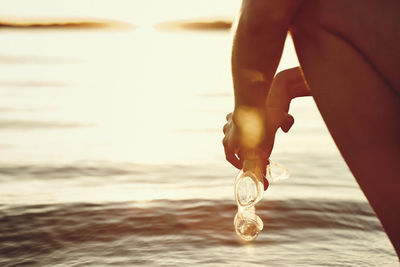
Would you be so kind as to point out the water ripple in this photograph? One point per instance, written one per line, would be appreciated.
(33, 234)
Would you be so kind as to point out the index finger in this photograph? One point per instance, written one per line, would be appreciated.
(229, 116)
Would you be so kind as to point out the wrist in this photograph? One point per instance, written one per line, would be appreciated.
(249, 121)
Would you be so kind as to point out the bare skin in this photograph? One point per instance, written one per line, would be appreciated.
(349, 56)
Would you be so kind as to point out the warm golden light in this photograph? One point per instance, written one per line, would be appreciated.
(111, 120)
(250, 124)
(253, 76)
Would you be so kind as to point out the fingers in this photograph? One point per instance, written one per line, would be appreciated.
(229, 116)
(231, 158)
(225, 129)
(286, 85)
(230, 145)
(266, 183)
(231, 155)
(292, 82)
(276, 115)
(287, 122)
(288, 77)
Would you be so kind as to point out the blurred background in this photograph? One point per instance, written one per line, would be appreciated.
(111, 116)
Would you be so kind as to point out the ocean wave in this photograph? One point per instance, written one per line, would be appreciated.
(162, 173)
(60, 232)
(88, 222)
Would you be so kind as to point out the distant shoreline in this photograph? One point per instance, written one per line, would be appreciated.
(85, 24)
(220, 25)
(66, 23)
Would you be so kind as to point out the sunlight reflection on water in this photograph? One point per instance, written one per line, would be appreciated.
(111, 151)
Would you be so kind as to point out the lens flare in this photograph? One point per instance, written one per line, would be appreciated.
(250, 124)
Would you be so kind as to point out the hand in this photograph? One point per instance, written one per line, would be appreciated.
(250, 133)
(254, 129)
(231, 142)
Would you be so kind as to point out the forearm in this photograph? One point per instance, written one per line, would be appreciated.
(260, 35)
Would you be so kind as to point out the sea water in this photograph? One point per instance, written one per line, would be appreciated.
(111, 155)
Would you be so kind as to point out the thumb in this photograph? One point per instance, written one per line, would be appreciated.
(287, 122)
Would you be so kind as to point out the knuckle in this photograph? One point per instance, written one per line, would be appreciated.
(226, 128)
(224, 142)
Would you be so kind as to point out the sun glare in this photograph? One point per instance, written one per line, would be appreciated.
(250, 124)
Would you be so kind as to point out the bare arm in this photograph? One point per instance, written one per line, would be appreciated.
(257, 48)
(259, 38)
